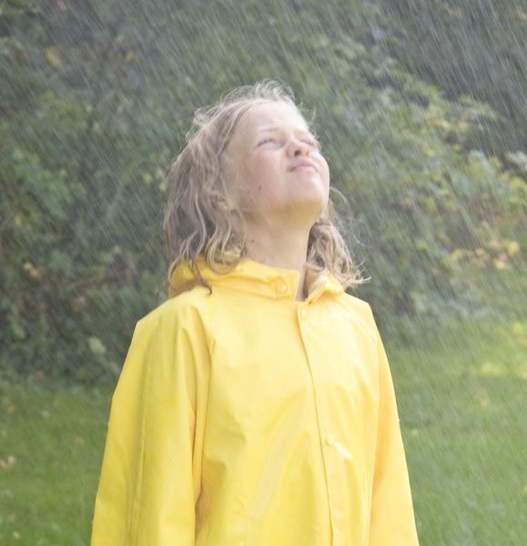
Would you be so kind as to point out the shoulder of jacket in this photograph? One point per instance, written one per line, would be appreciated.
(193, 302)
(360, 313)
(358, 305)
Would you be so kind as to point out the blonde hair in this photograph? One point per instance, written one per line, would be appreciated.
(201, 217)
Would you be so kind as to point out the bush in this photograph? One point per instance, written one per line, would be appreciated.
(97, 103)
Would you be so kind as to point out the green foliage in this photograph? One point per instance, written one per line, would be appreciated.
(78, 192)
(98, 100)
(16, 7)
(475, 48)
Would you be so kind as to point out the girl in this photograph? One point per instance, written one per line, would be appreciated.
(256, 405)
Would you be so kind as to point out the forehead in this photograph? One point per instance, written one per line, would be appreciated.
(272, 115)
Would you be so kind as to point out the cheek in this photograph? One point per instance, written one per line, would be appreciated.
(250, 188)
(325, 172)
(260, 179)
(237, 175)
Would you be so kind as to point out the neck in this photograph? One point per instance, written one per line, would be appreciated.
(283, 249)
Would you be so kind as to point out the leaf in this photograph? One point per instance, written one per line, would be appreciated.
(53, 57)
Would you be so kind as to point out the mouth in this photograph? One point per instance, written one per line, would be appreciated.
(304, 166)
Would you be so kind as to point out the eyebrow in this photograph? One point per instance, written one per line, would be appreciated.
(270, 128)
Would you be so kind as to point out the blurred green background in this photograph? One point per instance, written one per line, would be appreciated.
(421, 109)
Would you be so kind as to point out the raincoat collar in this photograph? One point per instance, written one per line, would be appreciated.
(255, 277)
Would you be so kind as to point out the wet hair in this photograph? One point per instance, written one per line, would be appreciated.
(202, 220)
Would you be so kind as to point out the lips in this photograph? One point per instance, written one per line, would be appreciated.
(304, 166)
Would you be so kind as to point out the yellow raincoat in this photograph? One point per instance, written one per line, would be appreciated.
(245, 417)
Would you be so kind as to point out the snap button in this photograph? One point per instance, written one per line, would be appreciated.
(281, 288)
(342, 451)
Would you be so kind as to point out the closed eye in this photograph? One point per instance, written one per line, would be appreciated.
(268, 140)
(312, 143)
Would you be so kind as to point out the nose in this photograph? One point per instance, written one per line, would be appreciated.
(298, 148)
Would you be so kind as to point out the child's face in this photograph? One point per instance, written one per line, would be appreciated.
(275, 168)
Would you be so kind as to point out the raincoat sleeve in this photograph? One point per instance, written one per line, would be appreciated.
(392, 516)
(151, 467)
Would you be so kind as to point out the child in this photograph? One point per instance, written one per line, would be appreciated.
(256, 405)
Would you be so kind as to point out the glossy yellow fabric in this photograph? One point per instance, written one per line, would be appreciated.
(244, 417)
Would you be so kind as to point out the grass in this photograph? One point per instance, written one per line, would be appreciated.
(462, 406)
(51, 441)
(461, 393)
